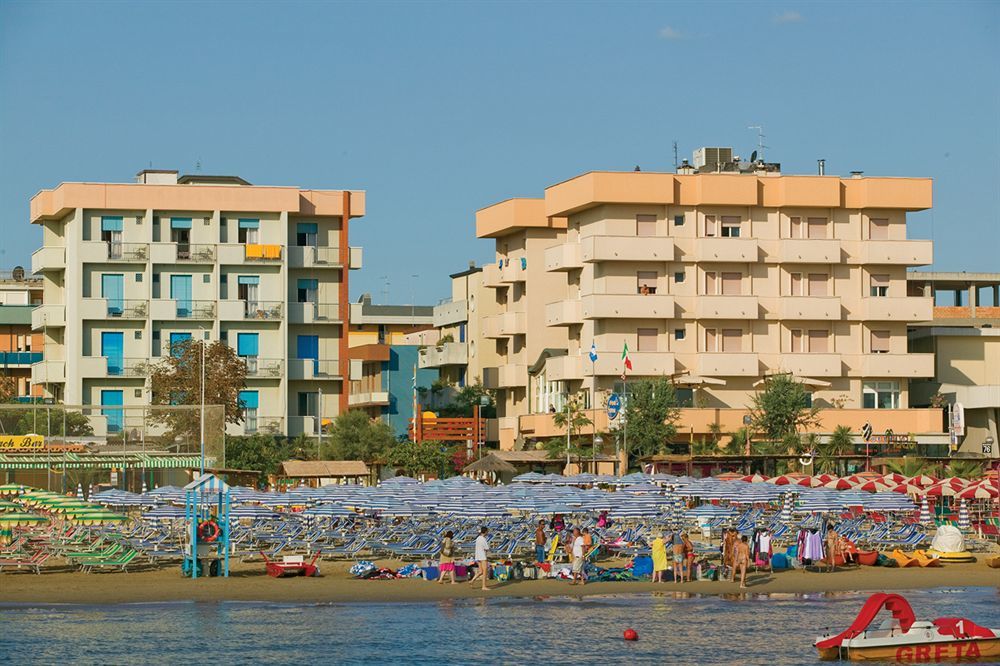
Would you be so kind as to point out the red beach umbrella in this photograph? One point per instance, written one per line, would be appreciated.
(980, 491)
(839, 484)
(874, 486)
(754, 478)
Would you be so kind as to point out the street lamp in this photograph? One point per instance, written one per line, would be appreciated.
(598, 441)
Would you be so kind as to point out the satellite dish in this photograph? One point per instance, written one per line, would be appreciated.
(753, 157)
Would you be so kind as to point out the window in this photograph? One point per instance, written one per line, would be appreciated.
(807, 399)
(730, 226)
(679, 334)
(711, 340)
(138, 334)
(878, 229)
(711, 288)
(685, 396)
(138, 277)
(678, 220)
(732, 340)
(796, 227)
(880, 395)
(250, 400)
(732, 284)
(645, 225)
(307, 290)
(880, 342)
(111, 233)
(818, 342)
(817, 284)
(646, 339)
(817, 227)
(796, 284)
(797, 341)
(248, 232)
(709, 226)
(880, 286)
(206, 278)
(679, 277)
(646, 282)
(307, 234)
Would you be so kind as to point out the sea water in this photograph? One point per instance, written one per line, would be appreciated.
(770, 630)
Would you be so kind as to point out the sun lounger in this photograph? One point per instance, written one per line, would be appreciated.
(34, 562)
(121, 562)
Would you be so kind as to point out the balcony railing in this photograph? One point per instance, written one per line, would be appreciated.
(271, 425)
(128, 252)
(263, 367)
(201, 253)
(263, 309)
(194, 309)
(20, 358)
(128, 367)
(307, 368)
(262, 252)
(127, 309)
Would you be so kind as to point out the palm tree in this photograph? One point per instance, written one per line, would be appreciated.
(738, 441)
(912, 467)
(573, 418)
(965, 469)
(838, 444)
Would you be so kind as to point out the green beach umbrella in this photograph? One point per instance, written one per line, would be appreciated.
(15, 489)
(96, 518)
(21, 519)
(9, 506)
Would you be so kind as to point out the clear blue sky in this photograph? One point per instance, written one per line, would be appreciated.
(439, 109)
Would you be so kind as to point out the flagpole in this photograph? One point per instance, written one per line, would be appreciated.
(593, 411)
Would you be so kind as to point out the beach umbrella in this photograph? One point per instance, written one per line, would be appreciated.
(79, 490)
(782, 480)
(942, 489)
(838, 484)
(979, 491)
(17, 519)
(729, 476)
(925, 511)
(14, 489)
(754, 478)
(786, 509)
(894, 478)
(810, 482)
(908, 489)
(874, 486)
(96, 518)
(922, 480)
(9, 506)
(963, 516)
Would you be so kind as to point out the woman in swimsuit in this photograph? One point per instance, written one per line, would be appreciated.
(742, 560)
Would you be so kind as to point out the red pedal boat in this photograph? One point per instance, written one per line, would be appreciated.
(902, 639)
(291, 565)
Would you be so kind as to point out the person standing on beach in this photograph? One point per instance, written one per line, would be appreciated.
(446, 562)
(688, 555)
(728, 553)
(832, 547)
(588, 545)
(540, 541)
(577, 557)
(482, 559)
(659, 553)
(678, 551)
(741, 560)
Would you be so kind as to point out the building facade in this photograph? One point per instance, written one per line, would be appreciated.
(129, 270)
(713, 279)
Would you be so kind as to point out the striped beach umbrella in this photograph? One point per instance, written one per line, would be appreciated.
(925, 511)
(786, 510)
(963, 516)
(79, 490)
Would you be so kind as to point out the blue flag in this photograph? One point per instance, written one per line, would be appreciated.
(593, 352)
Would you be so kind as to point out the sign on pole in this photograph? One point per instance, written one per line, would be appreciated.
(866, 432)
(614, 406)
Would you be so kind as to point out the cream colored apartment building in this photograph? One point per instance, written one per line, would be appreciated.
(132, 269)
(714, 279)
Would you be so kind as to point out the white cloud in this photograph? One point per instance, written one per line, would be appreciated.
(671, 33)
(788, 17)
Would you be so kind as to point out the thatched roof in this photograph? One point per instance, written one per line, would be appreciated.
(323, 468)
(490, 463)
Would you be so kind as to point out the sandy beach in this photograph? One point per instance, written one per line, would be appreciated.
(248, 583)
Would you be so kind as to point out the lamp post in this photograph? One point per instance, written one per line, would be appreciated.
(598, 441)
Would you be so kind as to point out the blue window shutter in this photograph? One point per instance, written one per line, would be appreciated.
(306, 283)
(113, 348)
(175, 340)
(180, 223)
(113, 290)
(249, 223)
(461, 332)
(248, 279)
(180, 291)
(250, 399)
(307, 228)
(307, 346)
(524, 263)
(247, 344)
(111, 223)
(115, 416)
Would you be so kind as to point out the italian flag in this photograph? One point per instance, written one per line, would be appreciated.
(626, 361)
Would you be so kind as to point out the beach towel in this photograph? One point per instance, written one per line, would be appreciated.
(642, 565)
(779, 561)
(362, 569)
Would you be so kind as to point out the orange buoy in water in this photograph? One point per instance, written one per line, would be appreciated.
(631, 635)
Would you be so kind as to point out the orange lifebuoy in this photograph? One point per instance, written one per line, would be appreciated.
(209, 531)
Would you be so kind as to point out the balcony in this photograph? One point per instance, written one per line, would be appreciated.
(564, 313)
(563, 257)
(559, 368)
(725, 249)
(302, 425)
(449, 353)
(263, 368)
(913, 366)
(810, 251)
(48, 258)
(897, 308)
(627, 306)
(626, 248)
(644, 364)
(100, 252)
(491, 276)
(263, 253)
(314, 313)
(813, 308)
(512, 375)
(898, 252)
(170, 309)
(49, 315)
(239, 310)
(513, 271)
(308, 369)
(271, 425)
(313, 257)
(19, 359)
(728, 364)
(450, 312)
(726, 307)
(504, 325)
(103, 308)
(355, 258)
(810, 365)
(100, 367)
(368, 399)
(48, 372)
(174, 253)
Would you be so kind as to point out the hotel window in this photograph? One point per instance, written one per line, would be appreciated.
(711, 286)
(679, 277)
(796, 227)
(880, 395)
(796, 284)
(730, 226)
(711, 340)
(797, 341)
(880, 286)
(646, 282)
(678, 220)
(646, 339)
(732, 340)
(817, 227)
(878, 229)
(249, 231)
(645, 225)
(732, 284)
(709, 226)
(880, 342)
(819, 342)
(679, 334)
(818, 283)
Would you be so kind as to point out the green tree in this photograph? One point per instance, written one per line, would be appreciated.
(416, 458)
(780, 409)
(555, 447)
(572, 418)
(737, 443)
(839, 443)
(38, 422)
(908, 467)
(260, 453)
(355, 436)
(651, 414)
(470, 395)
(177, 380)
(965, 469)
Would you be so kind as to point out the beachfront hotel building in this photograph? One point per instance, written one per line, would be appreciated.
(20, 347)
(131, 269)
(715, 276)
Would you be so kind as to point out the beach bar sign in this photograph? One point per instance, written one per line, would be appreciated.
(22, 442)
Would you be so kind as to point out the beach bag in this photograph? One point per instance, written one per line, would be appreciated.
(529, 572)
(501, 572)
(779, 561)
(448, 549)
(642, 565)
(517, 572)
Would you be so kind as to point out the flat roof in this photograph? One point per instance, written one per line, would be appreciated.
(16, 315)
(958, 277)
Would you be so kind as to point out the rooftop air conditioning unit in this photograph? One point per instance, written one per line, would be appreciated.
(712, 156)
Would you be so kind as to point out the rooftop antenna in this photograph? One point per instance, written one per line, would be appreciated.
(760, 140)
(385, 288)
(675, 154)
(197, 165)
